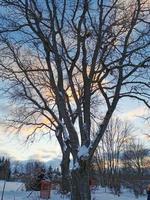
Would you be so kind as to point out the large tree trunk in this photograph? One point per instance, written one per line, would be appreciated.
(65, 171)
(66, 176)
(80, 182)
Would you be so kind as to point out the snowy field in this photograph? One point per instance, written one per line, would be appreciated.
(16, 191)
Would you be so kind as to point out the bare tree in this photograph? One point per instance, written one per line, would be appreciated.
(117, 135)
(135, 157)
(109, 151)
(58, 56)
(135, 163)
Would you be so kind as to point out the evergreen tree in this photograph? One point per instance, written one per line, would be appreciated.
(5, 170)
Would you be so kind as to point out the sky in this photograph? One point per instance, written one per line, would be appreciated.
(46, 148)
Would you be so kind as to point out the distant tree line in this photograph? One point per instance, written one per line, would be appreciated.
(32, 168)
(32, 172)
(18, 171)
(35, 171)
(5, 171)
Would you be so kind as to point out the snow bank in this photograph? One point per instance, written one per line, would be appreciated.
(12, 186)
(14, 191)
(107, 195)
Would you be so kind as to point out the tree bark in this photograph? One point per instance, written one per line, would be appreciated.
(80, 182)
(66, 176)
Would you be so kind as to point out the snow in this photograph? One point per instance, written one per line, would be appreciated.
(61, 94)
(57, 132)
(15, 190)
(12, 186)
(76, 165)
(83, 151)
(65, 147)
(65, 133)
(107, 195)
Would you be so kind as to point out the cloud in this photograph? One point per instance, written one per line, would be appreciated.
(5, 154)
(11, 156)
(134, 113)
(30, 154)
(36, 156)
(45, 151)
(44, 155)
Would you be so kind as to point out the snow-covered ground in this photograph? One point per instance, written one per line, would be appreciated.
(16, 191)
